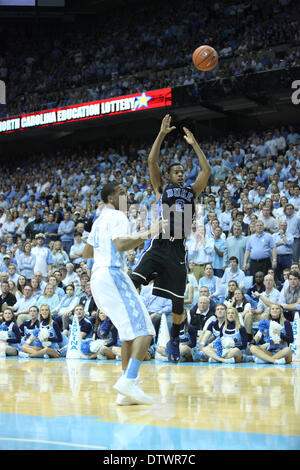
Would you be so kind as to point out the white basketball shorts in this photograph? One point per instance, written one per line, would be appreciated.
(116, 295)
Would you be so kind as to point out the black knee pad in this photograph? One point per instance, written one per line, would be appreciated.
(177, 306)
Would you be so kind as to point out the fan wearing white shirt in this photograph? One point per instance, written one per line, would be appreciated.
(71, 276)
(76, 249)
(43, 257)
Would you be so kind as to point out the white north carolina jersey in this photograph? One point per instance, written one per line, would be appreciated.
(112, 289)
(110, 225)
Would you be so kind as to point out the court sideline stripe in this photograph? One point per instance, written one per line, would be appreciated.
(52, 443)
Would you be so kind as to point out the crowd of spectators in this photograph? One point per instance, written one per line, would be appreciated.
(243, 251)
(46, 66)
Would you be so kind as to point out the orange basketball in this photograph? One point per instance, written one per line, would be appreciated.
(205, 58)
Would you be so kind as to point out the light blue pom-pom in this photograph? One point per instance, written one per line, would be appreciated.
(218, 346)
(35, 332)
(264, 326)
(85, 346)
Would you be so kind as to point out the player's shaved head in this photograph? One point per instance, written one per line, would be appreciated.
(107, 190)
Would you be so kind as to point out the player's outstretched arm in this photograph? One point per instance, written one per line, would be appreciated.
(121, 244)
(129, 243)
(155, 175)
(203, 177)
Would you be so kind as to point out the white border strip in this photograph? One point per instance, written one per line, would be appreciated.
(84, 446)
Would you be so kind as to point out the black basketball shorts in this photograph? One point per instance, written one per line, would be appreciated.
(168, 260)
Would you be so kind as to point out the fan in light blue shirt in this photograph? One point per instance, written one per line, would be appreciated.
(211, 283)
(233, 273)
(200, 252)
(218, 252)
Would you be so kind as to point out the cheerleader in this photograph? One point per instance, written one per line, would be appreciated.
(85, 326)
(44, 341)
(63, 311)
(105, 343)
(29, 327)
(271, 342)
(101, 349)
(103, 326)
(111, 349)
(10, 335)
(111, 346)
(231, 342)
(91, 349)
(212, 332)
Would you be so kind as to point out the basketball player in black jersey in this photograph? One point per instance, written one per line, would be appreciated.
(166, 254)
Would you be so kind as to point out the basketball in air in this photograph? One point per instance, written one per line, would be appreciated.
(205, 58)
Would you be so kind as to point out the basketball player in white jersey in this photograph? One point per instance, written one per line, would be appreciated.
(114, 292)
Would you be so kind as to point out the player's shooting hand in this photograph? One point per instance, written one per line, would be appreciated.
(189, 137)
(165, 127)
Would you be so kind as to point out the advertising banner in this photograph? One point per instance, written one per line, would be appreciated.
(92, 110)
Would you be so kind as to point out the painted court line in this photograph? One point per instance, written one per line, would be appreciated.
(38, 441)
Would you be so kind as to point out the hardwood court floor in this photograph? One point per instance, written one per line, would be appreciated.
(69, 405)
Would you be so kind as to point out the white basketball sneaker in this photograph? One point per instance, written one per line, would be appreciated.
(132, 391)
(230, 360)
(212, 360)
(122, 400)
(258, 360)
(23, 354)
(280, 361)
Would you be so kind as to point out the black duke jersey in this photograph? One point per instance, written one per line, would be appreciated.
(177, 205)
